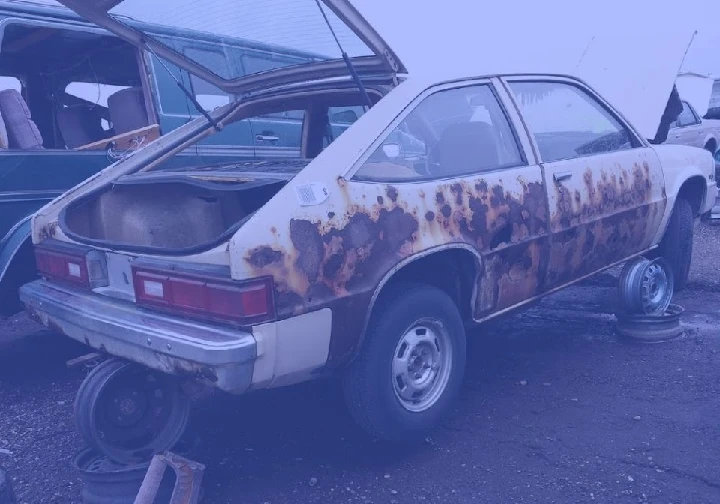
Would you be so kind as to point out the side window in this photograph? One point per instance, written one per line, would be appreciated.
(94, 92)
(344, 116)
(208, 96)
(449, 134)
(686, 117)
(567, 122)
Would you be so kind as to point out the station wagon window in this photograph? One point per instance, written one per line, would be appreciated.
(68, 79)
(94, 93)
(450, 133)
(687, 117)
(208, 96)
(567, 122)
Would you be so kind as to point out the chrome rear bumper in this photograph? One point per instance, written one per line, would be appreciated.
(222, 356)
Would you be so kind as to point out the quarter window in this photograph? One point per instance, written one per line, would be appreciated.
(686, 117)
(449, 134)
(567, 122)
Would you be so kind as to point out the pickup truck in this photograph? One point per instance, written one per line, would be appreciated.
(452, 199)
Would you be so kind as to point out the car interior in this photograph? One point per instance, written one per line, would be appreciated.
(69, 89)
(450, 134)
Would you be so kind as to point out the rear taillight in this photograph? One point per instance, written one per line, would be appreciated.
(63, 266)
(204, 296)
(78, 266)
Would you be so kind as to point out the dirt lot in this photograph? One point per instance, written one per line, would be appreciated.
(555, 409)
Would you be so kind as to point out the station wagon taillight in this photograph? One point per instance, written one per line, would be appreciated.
(205, 296)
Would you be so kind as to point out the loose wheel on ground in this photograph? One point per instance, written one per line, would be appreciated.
(128, 412)
(411, 365)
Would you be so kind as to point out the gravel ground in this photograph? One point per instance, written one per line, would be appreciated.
(555, 409)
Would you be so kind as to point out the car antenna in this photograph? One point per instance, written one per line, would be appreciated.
(346, 58)
(189, 95)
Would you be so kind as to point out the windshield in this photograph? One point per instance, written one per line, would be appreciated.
(244, 37)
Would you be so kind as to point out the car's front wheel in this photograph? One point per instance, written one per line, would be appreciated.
(677, 244)
(411, 365)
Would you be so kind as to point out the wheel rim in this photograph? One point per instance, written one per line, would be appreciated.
(657, 288)
(134, 409)
(128, 412)
(421, 365)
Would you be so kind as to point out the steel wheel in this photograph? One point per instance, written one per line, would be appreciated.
(421, 365)
(646, 286)
(129, 413)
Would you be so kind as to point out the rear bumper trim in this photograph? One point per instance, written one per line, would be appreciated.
(222, 355)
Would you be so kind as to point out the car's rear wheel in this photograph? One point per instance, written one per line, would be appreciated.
(411, 365)
(677, 244)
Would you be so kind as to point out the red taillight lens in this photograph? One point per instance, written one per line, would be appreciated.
(205, 297)
(62, 266)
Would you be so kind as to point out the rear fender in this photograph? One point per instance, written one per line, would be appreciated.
(11, 243)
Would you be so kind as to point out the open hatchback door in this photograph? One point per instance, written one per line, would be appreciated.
(306, 39)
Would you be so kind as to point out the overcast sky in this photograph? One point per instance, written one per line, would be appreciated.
(553, 23)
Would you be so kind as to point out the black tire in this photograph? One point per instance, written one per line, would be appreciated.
(677, 244)
(369, 383)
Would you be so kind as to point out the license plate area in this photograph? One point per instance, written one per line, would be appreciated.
(120, 279)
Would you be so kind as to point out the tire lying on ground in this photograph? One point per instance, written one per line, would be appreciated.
(677, 243)
(411, 365)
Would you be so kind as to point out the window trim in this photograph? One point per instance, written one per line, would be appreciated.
(635, 137)
(412, 106)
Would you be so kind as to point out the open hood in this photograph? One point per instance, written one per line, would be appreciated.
(263, 43)
(636, 81)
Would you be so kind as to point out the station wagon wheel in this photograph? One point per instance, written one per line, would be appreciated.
(411, 364)
(128, 412)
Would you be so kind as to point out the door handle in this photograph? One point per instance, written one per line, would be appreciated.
(266, 138)
(560, 176)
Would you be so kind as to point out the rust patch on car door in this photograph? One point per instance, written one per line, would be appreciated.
(608, 211)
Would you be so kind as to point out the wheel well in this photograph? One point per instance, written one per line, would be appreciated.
(453, 271)
(693, 190)
(711, 145)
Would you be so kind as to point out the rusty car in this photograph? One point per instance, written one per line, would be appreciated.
(453, 198)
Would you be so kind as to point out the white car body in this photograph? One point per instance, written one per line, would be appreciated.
(691, 129)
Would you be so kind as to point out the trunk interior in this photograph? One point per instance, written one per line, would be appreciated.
(173, 215)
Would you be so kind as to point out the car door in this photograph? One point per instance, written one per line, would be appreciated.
(605, 186)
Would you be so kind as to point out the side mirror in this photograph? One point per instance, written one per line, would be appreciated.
(391, 150)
